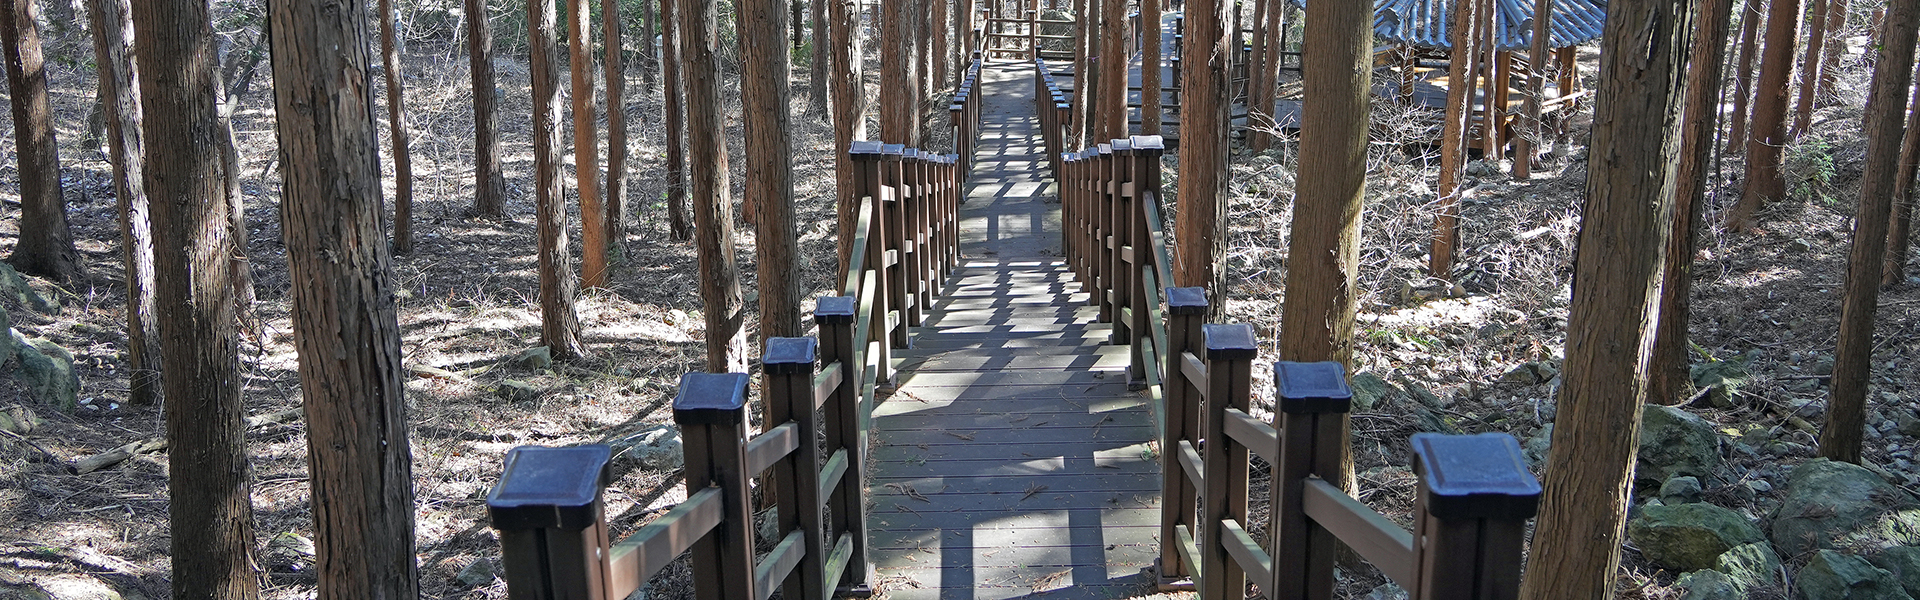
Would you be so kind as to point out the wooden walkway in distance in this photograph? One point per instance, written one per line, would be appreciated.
(1011, 460)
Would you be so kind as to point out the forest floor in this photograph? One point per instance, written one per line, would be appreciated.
(468, 305)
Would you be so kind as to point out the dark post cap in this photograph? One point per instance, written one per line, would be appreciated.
(1104, 149)
(1187, 301)
(864, 148)
(1149, 142)
(545, 487)
(910, 153)
(1121, 145)
(711, 399)
(893, 151)
(790, 355)
(1312, 387)
(1231, 341)
(1474, 476)
(834, 310)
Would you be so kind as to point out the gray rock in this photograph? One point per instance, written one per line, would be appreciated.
(1799, 245)
(1904, 563)
(477, 573)
(534, 358)
(1749, 567)
(1759, 486)
(290, 553)
(1707, 585)
(1538, 445)
(1827, 503)
(1689, 537)
(1835, 576)
(1822, 365)
(656, 447)
(77, 587)
(18, 419)
(517, 391)
(1906, 423)
(47, 370)
(1387, 591)
(1369, 391)
(14, 287)
(1680, 490)
(1675, 442)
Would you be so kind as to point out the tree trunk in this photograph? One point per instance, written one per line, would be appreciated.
(649, 60)
(112, 28)
(211, 510)
(679, 225)
(1900, 227)
(1113, 70)
(817, 71)
(616, 72)
(242, 272)
(1531, 128)
(344, 320)
(1200, 223)
(489, 184)
(397, 127)
(559, 324)
(1083, 24)
(922, 65)
(1669, 380)
(719, 274)
(1616, 294)
(896, 98)
(849, 121)
(938, 56)
(1468, 20)
(764, 96)
(1886, 116)
(1750, 18)
(1256, 140)
(586, 147)
(1810, 67)
(1087, 118)
(1768, 138)
(1836, 50)
(1150, 59)
(45, 247)
(1317, 320)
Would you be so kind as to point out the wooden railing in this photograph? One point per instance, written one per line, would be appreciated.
(964, 111)
(1475, 493)
(1055, 109)
(548, 502)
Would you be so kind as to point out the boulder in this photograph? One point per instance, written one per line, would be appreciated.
(477, 573)
(47, 371)
(1723, 377)
(1369, 391)
(1680, 490)
(1904, 563)
(1707, 585)
(515, 390)
(1827, 503)
(1675, 442)
(290, 553)
(656, 447)
(14, 287)
(1835, 576)
(534, 358)
(1689, 537)
(1538, 445)
(1749, 567)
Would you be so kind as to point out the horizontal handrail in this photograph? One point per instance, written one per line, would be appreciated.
(1386, 545)
(657, 543)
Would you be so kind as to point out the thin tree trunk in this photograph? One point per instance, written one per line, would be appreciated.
(211, 510)
(1150, 58)
(397, 127)
(344, 320)
(616, 73)
(1256, 140)
(489, 183)
(1462, 72)
(764, 95)
(45, 247)
(1200, 223)
(679, 223)
(1750, 18)
(1317, 322)
(1810, 67)
(242, 272)
(1083, 24)
(1087, 117)
(1532, 128)
(896, 98)
(1900, 227)
(586, 147)
(922, 66)
(817, 72)
(1836, 50)
(1768, 138)
(849, 122)
(1616, 294)
(938, 56)
(1886, 117)
(559, 324)
(1668, 376)
(649, 59)
(1113, 70)
(719, 274)
(112, 28)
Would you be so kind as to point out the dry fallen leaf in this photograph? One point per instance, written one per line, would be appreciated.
(1031, 490)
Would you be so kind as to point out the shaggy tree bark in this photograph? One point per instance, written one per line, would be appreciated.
(1810, 67)
(1200, 223)
(1669, 380)
(817, 70)
(896, 95)
(211, 511)
(1853, 352)
(1468, 20)
(1768, 138)
(938, 56)
(616, 73)
(1150, 58)
(1616, 294)
(344, 322)
(489, 183)
(397, 128)
(1317, 322)
(1113, 70)
(764, 95)
(559, 324)
(45, 247)
(112, 28)
(1531, 128)
(849, 122)
(1083, 25)
(1836, 49)
(713, 217)
(1750, 18)
(679, 225)
(1900, 227)
(586, 147)
(649, 60)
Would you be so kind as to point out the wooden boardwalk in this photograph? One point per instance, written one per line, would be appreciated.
(1012, 460)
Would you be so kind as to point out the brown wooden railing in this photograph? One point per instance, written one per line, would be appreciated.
(548, 502)
(964, 113)
(1475, 493)
(1055, 109)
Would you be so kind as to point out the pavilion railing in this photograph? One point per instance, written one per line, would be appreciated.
(548, 503)
(1055, 109)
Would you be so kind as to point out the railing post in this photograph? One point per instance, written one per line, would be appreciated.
(788, 365)
(870, 178)
(1186, 312)
(1125, 272)
(913, 242)
(1102, 216)
(899, 275)
(553, 535)
(712, 414)
(1313, 402)
(1144, 176)
(1230, 351)
(1470, 515)
(950, 224)
(1077, 189)
(846, 434)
